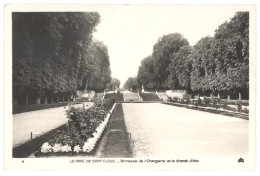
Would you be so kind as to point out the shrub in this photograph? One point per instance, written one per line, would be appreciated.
(188, 101)
(224, 105)
(238, 106)
(245, 110)
(199, 102)
(215, 103)
(82, 123)
(206, 101)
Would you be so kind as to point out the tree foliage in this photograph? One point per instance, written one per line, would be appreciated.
(163, 52)
(180, 68)
(95, 68)
(222, 63)
(52, 55)
(213, 64)
(113, 85)
(155, 69)
(131, 83)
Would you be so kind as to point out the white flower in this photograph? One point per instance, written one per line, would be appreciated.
(66, 148)
(88, 146)
(56, 148)
(46, 148)
(91, 142)
(77, 149)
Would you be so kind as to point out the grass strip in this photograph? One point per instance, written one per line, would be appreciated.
(116, 143)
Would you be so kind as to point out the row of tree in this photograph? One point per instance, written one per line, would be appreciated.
(218, 64)
(113, 85)
(54, 55)
(131, 84)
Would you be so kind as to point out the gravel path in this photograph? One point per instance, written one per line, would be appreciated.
(158, 130)
(37, 122)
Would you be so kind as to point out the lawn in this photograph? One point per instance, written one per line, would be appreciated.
(116, 142)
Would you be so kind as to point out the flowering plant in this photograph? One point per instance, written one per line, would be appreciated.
(83, 129)
(46, 148)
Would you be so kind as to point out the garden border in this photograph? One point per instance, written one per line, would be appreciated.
(214, 111)
(57, 154)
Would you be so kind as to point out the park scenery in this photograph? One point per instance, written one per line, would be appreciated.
(183, 100)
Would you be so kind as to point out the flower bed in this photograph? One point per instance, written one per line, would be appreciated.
(83, 130)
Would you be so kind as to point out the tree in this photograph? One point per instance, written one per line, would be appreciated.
(163, 52)
(95, 69)
(131, 83)
(146, 75)
(115, 83)
(203, 71)
(180, 68)
(222, 63)
(232, 54)
(47, 53)
(155, 71)
(214, 64)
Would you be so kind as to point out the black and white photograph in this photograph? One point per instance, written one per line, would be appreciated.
(128, 87)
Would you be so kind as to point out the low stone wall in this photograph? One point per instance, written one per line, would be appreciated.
(181, 94)
(86, 95)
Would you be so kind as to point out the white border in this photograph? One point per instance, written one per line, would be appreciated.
(140, 2)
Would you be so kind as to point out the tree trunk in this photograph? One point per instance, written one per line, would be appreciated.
(45, 100)
(57, 98)
(62, 98)
(26, 98)
(74, 96)
(86, 85)
(71, 96)
(15, 100)
(38, 100)
(211, 96)
(239, 96)
(228, 97)
(66, 98)
(52, 99)
(218, 96)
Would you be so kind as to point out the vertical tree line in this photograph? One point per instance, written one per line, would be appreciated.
(54, 55)
(218, 64)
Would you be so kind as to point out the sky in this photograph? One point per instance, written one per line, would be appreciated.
(130, 31)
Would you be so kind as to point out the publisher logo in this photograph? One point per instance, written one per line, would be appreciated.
(240, 160)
